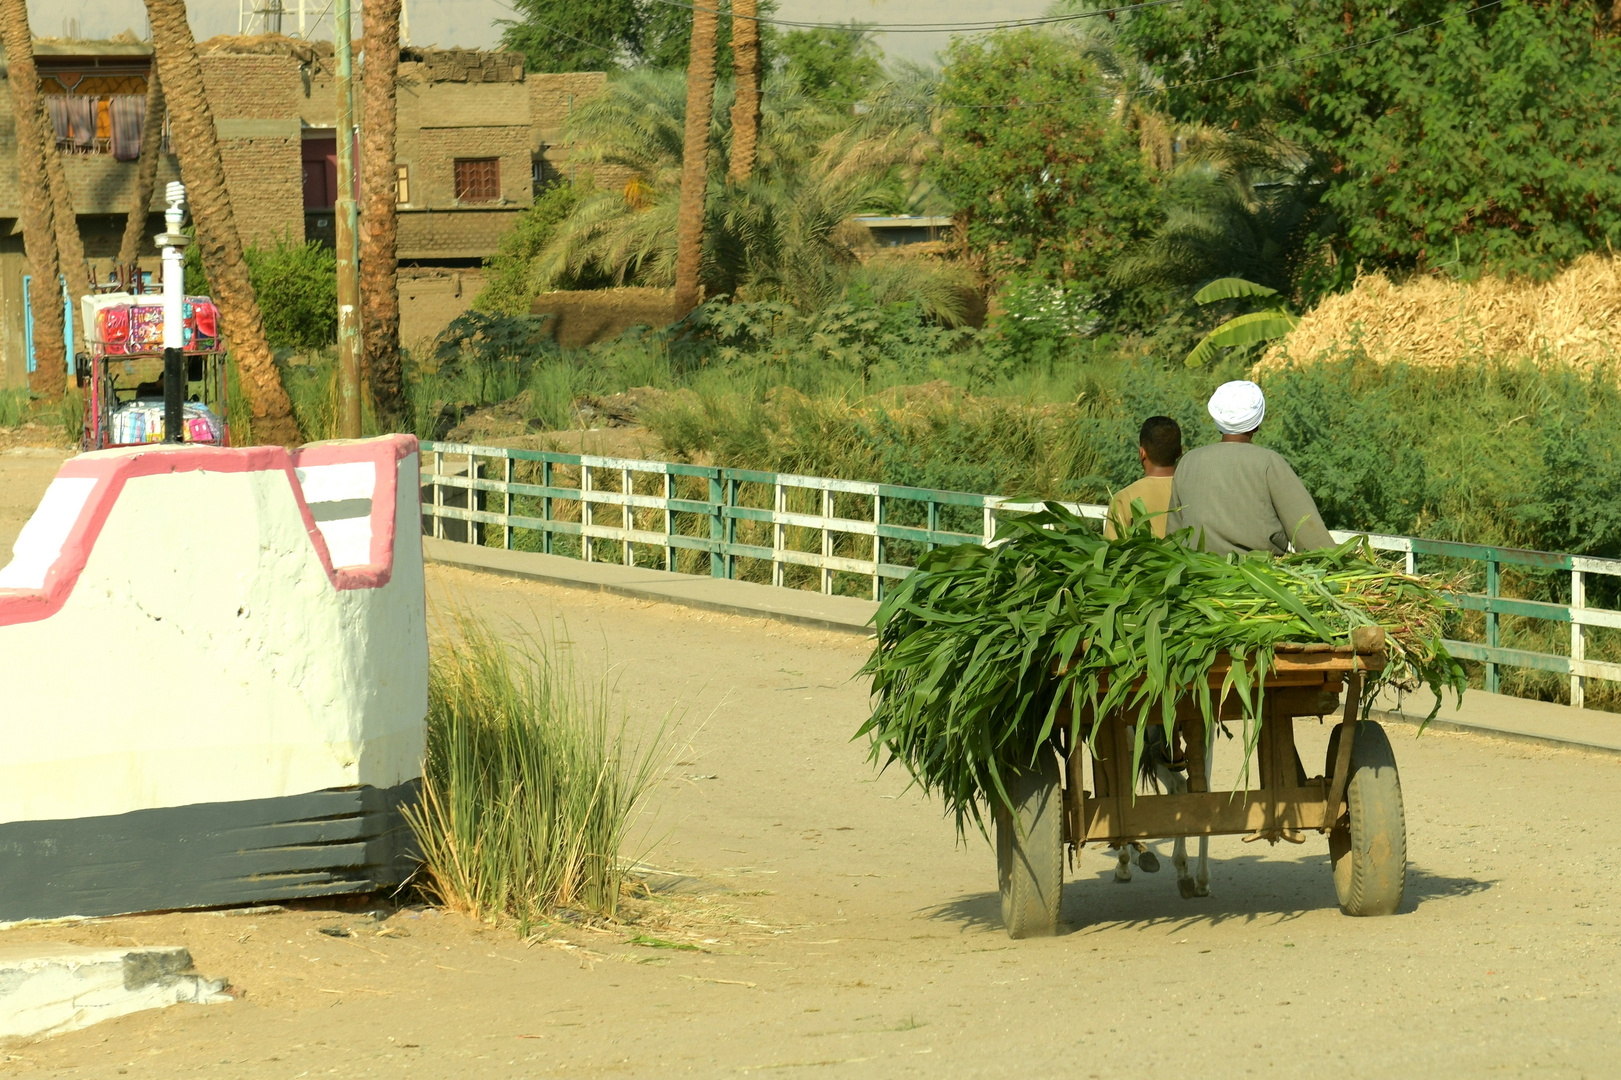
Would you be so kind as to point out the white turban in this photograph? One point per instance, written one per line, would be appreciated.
(1237, 407)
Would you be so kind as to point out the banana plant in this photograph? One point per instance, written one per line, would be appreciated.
(1268, 324)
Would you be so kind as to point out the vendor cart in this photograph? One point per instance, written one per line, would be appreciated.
(125, 381)
(1357, 802)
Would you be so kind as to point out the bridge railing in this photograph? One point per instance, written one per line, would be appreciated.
(843, 535)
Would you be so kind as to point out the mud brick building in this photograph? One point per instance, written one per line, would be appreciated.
(477, 137)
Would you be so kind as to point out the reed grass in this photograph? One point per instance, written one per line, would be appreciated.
(15, 406)
(530, 785)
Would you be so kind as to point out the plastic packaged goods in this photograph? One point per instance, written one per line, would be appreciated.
(141, 421)
(122, 324)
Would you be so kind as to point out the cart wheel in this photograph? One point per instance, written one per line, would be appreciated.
(1369, 854)
(1030, 852)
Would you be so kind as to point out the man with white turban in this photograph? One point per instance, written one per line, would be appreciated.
(1238, 496)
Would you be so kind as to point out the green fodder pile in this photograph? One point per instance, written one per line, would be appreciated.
(1573, 318)
(979, 651)
(529, 786)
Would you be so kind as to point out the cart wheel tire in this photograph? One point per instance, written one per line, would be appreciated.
(1369, 852)
(1030, 852)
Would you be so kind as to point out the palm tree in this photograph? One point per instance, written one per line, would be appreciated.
(146, 172)
(69, 243)
(1241, 205)
(746, 103)
(784, 234)
(175, 53)
(49, 376)
(695, 161)
(379, 226)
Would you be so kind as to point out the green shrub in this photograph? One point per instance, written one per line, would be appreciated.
(507, 288)
(296, 286)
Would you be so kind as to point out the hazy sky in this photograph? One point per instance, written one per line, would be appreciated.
(472, 23)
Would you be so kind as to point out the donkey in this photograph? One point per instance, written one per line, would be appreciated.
(1159, 769)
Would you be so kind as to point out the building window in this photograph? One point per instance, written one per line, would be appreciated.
(478, 179)
(402, 185)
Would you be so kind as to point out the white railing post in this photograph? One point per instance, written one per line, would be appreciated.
(1578, 638)
(585, 511)
(779, 532)
(627, 488)
(438, 495)
(669, 521)
(877, 547)
(990, 524)
(474, 536)
(827, 540)
(506, 503)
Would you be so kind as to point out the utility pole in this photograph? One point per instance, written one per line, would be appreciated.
(348, 225)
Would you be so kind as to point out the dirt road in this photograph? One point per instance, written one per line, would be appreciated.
(25, 472)
(840, 930)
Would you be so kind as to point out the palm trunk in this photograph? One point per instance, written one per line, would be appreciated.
(146, 172)
(49, 377)
(69, 244)
(379, 228)
(746, 107)
(689, 224)
(192, 124)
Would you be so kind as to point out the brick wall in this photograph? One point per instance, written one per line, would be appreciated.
(431, 297)
(553, 97)
(468, 234)
(255, 101)
(104, 185)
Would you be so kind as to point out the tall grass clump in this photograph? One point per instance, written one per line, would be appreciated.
(14, 406)
(530, 784)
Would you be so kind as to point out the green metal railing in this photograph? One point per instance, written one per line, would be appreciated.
(819, 531)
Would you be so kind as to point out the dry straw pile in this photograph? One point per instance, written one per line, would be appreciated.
(1574, 319)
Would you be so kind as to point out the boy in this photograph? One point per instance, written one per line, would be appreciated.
(1159, 445)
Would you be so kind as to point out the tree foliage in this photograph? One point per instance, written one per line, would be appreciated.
(838, 63)
(600, 35)
(784, 234)
(1449, 129)
(1044, 176)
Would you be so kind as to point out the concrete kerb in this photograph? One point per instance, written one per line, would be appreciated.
(1465, 728)
(840, 614)
(49, 989)
(1493, 715)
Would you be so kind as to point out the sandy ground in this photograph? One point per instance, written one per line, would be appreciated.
(25, 472)
(840, 929)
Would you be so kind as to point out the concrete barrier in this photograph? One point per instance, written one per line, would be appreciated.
(215, 669)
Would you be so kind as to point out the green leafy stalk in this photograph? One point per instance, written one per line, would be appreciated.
(979, 651)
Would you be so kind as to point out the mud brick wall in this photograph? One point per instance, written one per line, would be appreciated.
(552, 99)
(465, 234)
(255, 101)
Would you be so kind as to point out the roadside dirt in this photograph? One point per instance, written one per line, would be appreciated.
(840, 930)
(25, 473)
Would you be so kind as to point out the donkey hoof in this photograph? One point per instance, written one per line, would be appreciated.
(1201, 888)
(1148, 862)
(1122, 879)
(1187, 888)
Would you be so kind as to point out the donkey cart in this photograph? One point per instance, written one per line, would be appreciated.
(1357, 803)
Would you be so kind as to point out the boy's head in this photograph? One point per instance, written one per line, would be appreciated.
(1161, 441)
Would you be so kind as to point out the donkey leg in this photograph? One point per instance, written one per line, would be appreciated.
(1179, 859)
(1122, 866)
(1201, 881)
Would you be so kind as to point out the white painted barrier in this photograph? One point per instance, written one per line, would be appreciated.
(215, 669)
